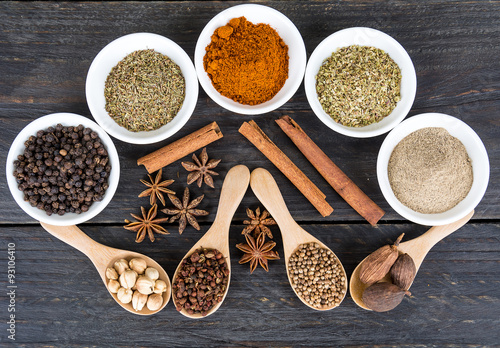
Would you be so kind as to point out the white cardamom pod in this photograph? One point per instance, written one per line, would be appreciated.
(160, 287)
(154, 302)
(145, 285)
(124, 295)
(128, 279)
(111, 273)
(113, 286)
(121, 266)
(152, 273)
(139, 300)
(138, 265)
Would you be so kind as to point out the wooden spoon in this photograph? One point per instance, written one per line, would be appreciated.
(417, 248)
(217, 237)
(267, 191)
(103, 257)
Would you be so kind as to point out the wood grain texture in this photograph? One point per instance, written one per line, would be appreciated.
(46, 49)
(62, 300)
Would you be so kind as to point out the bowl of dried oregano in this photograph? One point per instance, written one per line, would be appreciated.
(142, 88)
(433, 169)
(360, 82)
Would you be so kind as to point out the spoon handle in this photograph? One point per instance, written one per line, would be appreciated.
(233, 189)
(267, 191)
(75, 237)
(421, 245)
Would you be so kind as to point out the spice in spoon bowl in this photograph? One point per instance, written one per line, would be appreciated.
(315, 273)
(201, 281)
(142, 88)
(360, 82)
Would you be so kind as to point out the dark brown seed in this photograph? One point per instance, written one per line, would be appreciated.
(403, 271)
(382, 297)
(378, 263)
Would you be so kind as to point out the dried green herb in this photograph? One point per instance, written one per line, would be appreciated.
(358, 85)
(144, 91)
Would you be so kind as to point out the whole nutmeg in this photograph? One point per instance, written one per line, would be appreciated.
(152, 273)
(378, 263)
(113, 286)
(145, 285)
(121, 266)
(128, 279)
(124, 295)
(111, 273)
(403, 271)
(154, 302)
(382, 297)
(139, 300)
(160, 287)
(138, 265)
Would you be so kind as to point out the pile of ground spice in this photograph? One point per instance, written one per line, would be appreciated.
(358, 85)
(430, 171)
(247, 62)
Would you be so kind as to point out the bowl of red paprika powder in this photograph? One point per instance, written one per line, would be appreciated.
(250, 59)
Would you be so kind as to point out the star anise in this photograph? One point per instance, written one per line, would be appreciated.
(156, 188)
(258, 222)
(201, 169)
(185, 211)
(146, 224)
(257, 252)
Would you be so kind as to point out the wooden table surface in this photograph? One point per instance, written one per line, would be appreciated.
(46, 49)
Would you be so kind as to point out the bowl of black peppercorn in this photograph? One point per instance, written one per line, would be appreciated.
(62, 169)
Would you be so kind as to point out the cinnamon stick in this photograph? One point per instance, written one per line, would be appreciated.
(181, 148)
(351, 193)
(256, 136)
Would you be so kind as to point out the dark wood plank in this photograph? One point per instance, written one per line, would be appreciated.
(62, 301)
(48, 47)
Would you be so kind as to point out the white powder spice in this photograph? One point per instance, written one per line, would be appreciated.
(430, 171)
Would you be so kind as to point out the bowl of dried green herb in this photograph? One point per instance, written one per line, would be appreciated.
(360, 82)
(250, 59)
(62, 169)
(433, 169)
(142, 88)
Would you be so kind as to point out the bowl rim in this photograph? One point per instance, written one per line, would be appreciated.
(458, 129)
(373, 38)
(65, 119)
(296, 43)
(114, 52)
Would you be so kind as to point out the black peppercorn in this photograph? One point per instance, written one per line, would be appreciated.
(61, 168)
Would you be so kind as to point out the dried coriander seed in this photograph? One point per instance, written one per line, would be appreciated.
(317, 276)
(144, 91)
(358, 85)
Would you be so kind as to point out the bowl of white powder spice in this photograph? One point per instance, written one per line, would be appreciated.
(433, 169)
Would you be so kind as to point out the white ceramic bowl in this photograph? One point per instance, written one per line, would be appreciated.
(475, 150)
(286, 30)
(17, 148)
(362, 37)
(114, 52)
